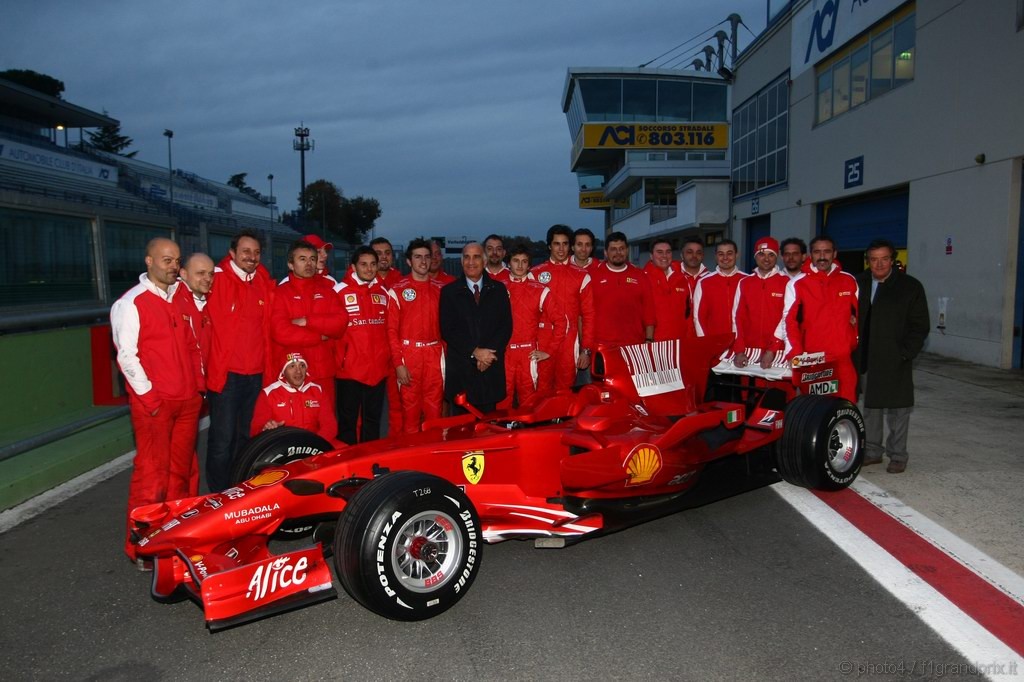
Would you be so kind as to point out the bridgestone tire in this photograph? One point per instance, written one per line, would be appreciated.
(408, 546)
(822, 444)
(274, 448)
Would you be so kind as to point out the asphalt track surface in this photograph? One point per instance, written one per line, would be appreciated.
(738, 589)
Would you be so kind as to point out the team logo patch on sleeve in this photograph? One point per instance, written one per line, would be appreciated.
(473, 465)
(544, 277)
(409, 294)
(350, 299)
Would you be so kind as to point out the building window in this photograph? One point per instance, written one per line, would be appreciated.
(639, 100)
(868, 67)
(674, 100)
(46, 259)
(602, 98)
(126, 247)
(760, 129)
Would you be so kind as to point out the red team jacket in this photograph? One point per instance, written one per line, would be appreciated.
(570, 286)
(202, 325)
(413, 315)
(362, 353)
(156, 348)
(713, 301)
(314, 299)
(624, 305)
(303, 407)
(826, 302)
(240, 310)
(757, 311)
(671, 303)
(532, 304)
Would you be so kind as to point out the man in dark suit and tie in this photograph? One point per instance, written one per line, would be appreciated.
(476, 325)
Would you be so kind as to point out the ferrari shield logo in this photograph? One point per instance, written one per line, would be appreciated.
(473, 465)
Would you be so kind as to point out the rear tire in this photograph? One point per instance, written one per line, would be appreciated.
(272, 449)
(408, 546)
(822, 444)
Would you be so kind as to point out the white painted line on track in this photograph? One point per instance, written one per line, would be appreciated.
(961, 631)
(987, 568)
(51, 498)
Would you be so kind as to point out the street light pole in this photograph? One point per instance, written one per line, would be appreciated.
(271, 178)
(168, 133)
(302, 144)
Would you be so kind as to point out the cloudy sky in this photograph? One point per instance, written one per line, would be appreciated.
(447, 112)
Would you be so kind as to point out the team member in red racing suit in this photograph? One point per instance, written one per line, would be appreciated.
(715, 294)
(240, 310)
(671, 294)
(307, 317)
(532, 307)
(820, 314)
(362, 355)
(622, 297)
(414, 335)
(158, 355)
(570, 287)
(758, 307)
(389, 276)
(294, 400)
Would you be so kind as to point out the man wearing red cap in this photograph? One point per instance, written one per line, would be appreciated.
(758, 307)
(294, 400)
(322, 248)
(414, 335)
(715, 293)
(820, 314)
(671, 294)
(307, 317)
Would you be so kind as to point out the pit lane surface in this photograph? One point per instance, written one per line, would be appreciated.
(739, 588)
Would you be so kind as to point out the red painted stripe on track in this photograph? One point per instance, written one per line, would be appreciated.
(990, 608)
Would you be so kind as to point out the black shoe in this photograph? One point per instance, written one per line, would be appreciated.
(869, 460)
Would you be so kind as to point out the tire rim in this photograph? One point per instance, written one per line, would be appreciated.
(427, 548)
(843, 444)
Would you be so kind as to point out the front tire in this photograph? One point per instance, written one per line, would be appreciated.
(408, 546)
(822, 444)
(271, 449)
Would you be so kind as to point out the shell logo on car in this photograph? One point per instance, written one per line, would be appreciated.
(643, 463)
(267, 477)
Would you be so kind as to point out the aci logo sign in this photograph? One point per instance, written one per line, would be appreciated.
(823, 26)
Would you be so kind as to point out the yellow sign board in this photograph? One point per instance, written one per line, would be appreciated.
(597, 199)
(672, 136)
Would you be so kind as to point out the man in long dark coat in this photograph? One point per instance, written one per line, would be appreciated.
(894, 324)
(476, 325)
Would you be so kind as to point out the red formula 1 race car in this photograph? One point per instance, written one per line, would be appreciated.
(406, 518)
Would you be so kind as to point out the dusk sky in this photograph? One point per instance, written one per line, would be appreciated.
(448, 113)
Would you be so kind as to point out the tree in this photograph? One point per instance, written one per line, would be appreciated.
(323, 207)
(40, 82)
(110, 139)
(238, 181)
(359, 215)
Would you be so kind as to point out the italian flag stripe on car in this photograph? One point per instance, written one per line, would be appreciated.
(732, 416)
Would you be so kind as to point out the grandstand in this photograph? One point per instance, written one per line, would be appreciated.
(74, 222)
